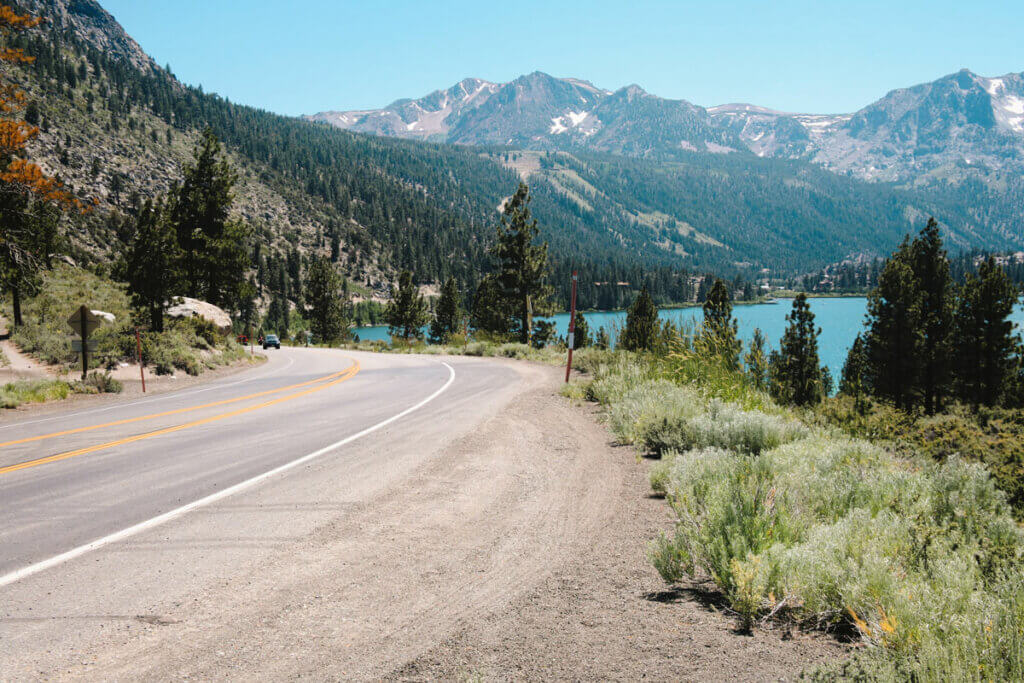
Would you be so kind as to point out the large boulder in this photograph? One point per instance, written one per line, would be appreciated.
(187, 307)
(108, 318)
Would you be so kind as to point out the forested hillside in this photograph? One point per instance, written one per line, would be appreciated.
(117, 128)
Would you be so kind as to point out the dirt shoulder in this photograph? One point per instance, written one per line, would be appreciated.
(603, 612)
(128, 375)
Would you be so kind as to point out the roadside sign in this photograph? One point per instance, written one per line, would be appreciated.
(84, 322)
(76, 345)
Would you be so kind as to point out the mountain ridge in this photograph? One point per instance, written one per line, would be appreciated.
(931, 128)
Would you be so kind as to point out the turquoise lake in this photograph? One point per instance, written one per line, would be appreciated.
(840, 320)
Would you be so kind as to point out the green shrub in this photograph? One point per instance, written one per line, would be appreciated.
(641, 409)
(14, 394)
(519, 351)
(103, 383)
(590, 358)
(661, 472)
(994, 437)
(721, 425)
(574, 390)
(695, 360)
(614, 380)
(915, 550)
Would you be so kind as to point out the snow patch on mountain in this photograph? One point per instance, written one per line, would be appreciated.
(577, 117)
(716, 148)
(992, 85)
(569, 121)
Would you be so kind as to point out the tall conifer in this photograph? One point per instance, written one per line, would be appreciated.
(447, 315)
(406, 313)
(642, 327)
(522, 265)
(720, 328)
(323, 297)
(935, 289)
(796, 370)
(894, 335)
(984, 343)
(151, 264)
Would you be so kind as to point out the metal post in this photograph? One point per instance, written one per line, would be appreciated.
(142, 371)
(84, 312)
(572, 326)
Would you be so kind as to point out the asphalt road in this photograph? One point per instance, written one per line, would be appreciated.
(330, 514)
(70, 480)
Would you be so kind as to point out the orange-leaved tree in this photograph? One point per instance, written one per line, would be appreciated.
(27, 194)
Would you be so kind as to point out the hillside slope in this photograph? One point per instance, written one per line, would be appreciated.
(953, 147)
(117, 127)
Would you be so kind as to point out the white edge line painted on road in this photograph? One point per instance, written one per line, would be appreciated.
(152, 399)
(24, 572)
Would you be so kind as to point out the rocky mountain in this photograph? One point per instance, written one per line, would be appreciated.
(952, 127)
(539, 111)
(948, 128)
(93, 25)
(424, 119)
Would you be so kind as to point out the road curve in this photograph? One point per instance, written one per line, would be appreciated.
(376, 501)
(152, 457)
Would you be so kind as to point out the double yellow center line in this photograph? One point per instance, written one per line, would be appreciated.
(315, 385)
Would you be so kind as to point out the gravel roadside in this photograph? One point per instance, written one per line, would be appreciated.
(605, 614)
(502, 538)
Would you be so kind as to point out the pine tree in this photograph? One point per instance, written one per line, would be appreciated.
(642, 327)
(151, 262)
(582, 333)
(986, 349)
(796, 374)
(278, 315)
(406, 313)
(935, 288)
(447, 314)
(894, 334)
(543, 334)
(523, 265)
(492, 312)
(326, 310)
(855, 378)
(602, 340)
(215, 249)
(756, 360)
(720, 328)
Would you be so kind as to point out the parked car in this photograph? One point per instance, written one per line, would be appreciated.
(271, 340)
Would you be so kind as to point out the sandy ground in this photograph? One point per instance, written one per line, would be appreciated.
(18, 366)
(515, 550)
(603, 613)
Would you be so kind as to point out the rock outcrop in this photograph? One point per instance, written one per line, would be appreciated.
(188, 307)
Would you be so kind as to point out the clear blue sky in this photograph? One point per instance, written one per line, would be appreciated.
(828, 56)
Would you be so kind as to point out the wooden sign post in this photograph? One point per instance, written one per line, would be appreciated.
(83, 322)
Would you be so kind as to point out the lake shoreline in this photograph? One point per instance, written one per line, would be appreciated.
(841, 319)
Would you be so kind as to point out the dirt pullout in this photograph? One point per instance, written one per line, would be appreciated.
(605, 614)
(513, 551)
